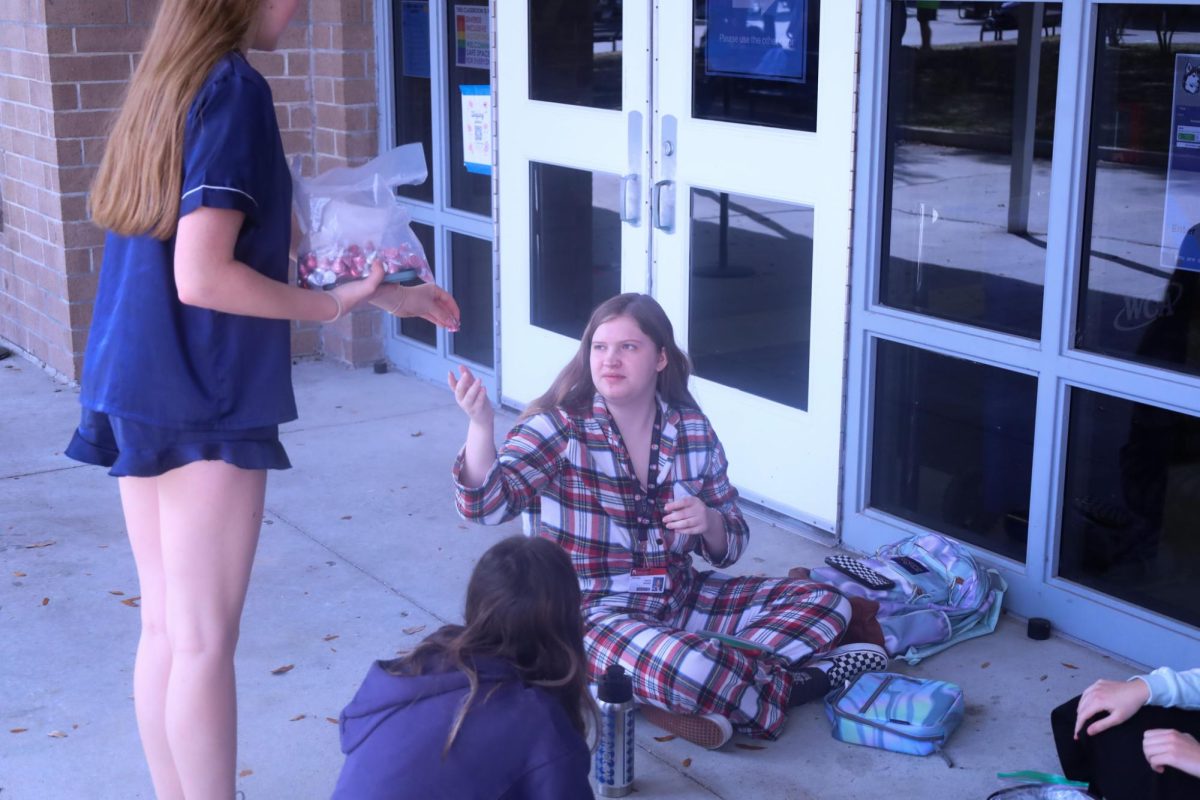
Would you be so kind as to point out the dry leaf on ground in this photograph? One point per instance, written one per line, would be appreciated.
(985, 665)
(744, 746)
(330, 637)
(56, 735)
(415, 434)
(117, 592)
(414, 629)
(18, 574)
(283, 669)
(132, 602)
(245, 773)
(666, 738)
(1069, 666)
(687, 762)
(297, 717)
(348, 516)
(1043, 677)
(331, 719)
(46, 543)
(45, 601)
(18, 730)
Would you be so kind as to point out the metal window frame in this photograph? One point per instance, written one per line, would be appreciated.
(410, 354)
(1077, 611)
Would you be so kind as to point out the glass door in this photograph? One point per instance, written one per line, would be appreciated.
(687, 155)
(572, 102)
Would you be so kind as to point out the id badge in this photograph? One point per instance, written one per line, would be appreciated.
(648, 580)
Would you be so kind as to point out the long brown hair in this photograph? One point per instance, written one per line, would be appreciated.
(523, 607)
(137, 188)
(574, 389)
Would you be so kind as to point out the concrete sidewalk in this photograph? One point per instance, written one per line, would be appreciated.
(362, 555)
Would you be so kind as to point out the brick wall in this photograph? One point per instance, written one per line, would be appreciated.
(63, 68)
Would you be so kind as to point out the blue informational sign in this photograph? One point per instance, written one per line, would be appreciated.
(414, 27)
(764, 40)
(1181, 203)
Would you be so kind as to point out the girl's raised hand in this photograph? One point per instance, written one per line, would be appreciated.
(471, 396)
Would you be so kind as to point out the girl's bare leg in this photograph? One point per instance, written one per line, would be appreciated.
(139, 499)
(210, 514)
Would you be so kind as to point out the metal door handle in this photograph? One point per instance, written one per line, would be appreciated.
(630, 201)
(664, 205)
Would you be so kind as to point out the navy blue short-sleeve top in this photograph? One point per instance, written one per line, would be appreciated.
(153, 359)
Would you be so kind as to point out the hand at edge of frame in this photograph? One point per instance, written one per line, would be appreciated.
(1170, 748)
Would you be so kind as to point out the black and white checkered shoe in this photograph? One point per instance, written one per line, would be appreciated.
(849, 661)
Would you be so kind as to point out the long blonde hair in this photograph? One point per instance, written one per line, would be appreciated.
(137, 188)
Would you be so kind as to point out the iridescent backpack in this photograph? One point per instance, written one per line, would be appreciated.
(895, 712)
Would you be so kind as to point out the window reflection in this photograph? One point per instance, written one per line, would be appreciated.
(1131, 502)
(751, 294)
(471, 276)
(575, 52)
(575, 245)
(970, 125)
(416, 328)
(1140, 275)
(468, 65)
(952, 448)
(413, 90)
(756, 62)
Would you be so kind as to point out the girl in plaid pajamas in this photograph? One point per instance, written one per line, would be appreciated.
(617, 464)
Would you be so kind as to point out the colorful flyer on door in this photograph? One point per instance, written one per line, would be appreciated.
(477, 128)
(414, 45)
(1181, 204)
(472, 43)
(746, 42)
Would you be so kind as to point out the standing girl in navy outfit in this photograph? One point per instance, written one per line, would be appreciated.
(628, 476)
(187, 372)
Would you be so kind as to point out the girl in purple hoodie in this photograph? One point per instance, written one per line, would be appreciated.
(494, 708)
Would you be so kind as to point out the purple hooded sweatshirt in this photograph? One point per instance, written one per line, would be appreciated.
(516, 744)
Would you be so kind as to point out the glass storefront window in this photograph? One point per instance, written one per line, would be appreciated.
(970, 126)
(756, 63)
(416, 328)
(1139, 296)
(575, 52)
(472, 287)
(751, 294)
(953, 446)
(413, 94)
(575, 245)
(468, 64)
(1131, 501)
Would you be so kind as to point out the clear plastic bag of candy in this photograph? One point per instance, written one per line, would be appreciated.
(349, 219)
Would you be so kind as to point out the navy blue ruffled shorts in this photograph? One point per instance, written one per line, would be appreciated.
(137, 450)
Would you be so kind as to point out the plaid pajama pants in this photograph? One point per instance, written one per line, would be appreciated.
(676, 668)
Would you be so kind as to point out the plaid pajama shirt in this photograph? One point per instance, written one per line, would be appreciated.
(575, 473)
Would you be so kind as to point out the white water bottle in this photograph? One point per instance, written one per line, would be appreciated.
(614, 751)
